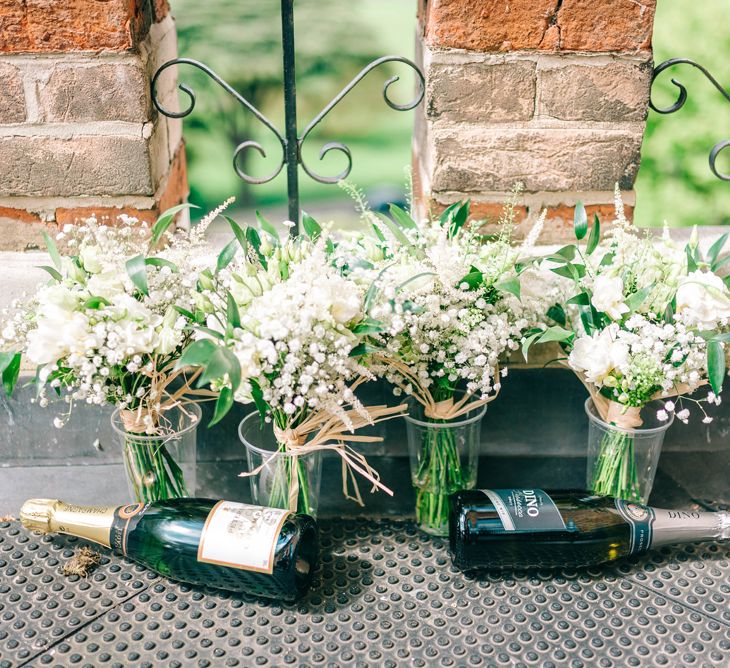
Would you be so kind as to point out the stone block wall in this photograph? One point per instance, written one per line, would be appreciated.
(78, 133)
(550, 93)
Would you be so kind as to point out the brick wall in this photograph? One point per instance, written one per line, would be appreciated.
(552, 93)
(78, 133)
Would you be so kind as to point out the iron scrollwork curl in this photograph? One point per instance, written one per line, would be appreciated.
(246, 145)
(339, 146)
(682, 98)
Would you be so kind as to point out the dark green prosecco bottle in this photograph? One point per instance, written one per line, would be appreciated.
(234, 546)
(507, 529)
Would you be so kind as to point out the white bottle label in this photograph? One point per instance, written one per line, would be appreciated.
(241, 536)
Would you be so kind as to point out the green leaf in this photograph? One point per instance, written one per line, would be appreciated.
(368, 326)
(258, 398)
(459, 218)
(511, 285)
(556, 333)
(473, 279)
(188, 314)
(574, 271)
(567, 252)
(226, 255)
(606, 260)
(691, 261)
(635, 300)
(10, 365)
(586, 318)
(373, 289)
(595, 236)
(211, 332)
(311, 227)
(528, 341)
(220, 363)
(96, 302)
(267, 227)
(234, 317)
(396, 231)
(222, 405)
(557, 313)
(165, 220)
(52, 250)
(715, 250)
(580, 221)
(238, 233)
(402, 218)
(581, 299)
(721, 262)
(197, 353)
(716, 365)
(254, 240)
(161, 262)
(53, 272)
(363, 349)
(724, 338)
(448, 213)
(137, 270)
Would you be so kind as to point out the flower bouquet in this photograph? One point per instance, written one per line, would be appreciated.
(443, 306)
(645, 326)
(108, 329)
(278, 327)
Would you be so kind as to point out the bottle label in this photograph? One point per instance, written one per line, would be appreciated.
(241, 536)
(125, 519)
(641, 521)
(526, 510)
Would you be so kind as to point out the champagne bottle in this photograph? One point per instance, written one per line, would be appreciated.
(234, 546)
(532, 528)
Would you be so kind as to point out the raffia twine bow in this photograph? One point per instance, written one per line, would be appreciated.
(324, 431)
(625, 417)
(447, 409)
(147, 417)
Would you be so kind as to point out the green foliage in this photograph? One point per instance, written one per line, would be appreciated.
(675, 182)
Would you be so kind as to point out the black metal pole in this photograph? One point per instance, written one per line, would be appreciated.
(290, 112)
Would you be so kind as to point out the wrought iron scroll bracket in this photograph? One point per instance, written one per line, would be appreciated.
(283, 140)
(682, 98)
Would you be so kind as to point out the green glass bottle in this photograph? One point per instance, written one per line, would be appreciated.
(234, 546)
(531, 528)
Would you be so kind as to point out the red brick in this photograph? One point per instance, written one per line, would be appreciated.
(618, 25)
(72, 25)
(546, 25)
(176, 190)
(106, 215)
(20, 215)
(560, 218)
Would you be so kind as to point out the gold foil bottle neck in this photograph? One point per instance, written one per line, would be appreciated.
(36, 514)
(54, 516)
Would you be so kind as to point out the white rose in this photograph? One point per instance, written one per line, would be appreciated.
(168, 339)
(90, 259)
(598, 355)
(57, 334)
(107, 284)
(608, 296)
(57, 297)
(345, 307)
(703, 299)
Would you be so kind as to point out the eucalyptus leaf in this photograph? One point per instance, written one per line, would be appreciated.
(165, 220)
(10, 365)
(52, 250)
(580, 221)
(511, 285)
(222, 405)
(197, 353)
(556, 333)
(595, 235)
(402, 218)
(716, 249)
(267, 227)
(137, 270)
(53, 272)
(716, 365)
(238, 233)
(226, 255)
(234, 317)
(311, 227)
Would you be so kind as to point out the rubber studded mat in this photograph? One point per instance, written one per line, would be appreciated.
(385, 595)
